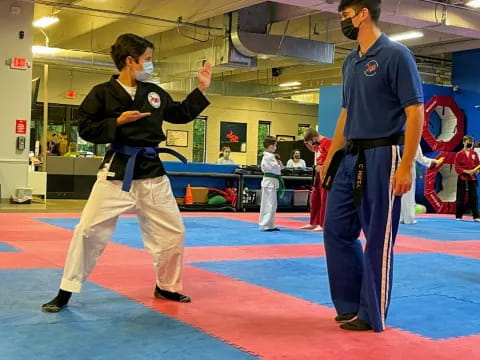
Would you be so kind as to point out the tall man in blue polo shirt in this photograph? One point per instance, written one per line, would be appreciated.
(382, 109)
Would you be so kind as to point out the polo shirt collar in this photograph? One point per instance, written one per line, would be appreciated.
(376, 47)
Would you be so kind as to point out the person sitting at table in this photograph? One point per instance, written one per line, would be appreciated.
(225, 156)
(296, 160)
(72, 150)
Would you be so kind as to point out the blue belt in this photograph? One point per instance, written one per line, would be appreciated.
(137, 152)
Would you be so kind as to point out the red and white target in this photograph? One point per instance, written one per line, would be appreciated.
(442, 202)
(452, 124)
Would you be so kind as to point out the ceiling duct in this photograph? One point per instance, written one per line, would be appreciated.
(68, 57)
(249, 35)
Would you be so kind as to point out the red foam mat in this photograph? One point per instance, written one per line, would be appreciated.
(262, 321)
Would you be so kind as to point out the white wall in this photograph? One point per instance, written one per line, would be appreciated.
(15, 93)
(284, 116)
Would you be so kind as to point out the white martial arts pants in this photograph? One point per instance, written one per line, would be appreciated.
(407, 213)
(160, 222)
(268, 205)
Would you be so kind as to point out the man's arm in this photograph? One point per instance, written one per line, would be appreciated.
(403, 177)
(309, 147)
(423, 160)
(338, 141)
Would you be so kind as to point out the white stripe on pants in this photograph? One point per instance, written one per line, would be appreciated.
(160, 222)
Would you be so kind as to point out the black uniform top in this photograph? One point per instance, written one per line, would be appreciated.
(106, 102)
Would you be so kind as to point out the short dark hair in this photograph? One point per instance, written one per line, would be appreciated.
(269, 140)
(128, 45)
(467, 138)
(310, 134)
(374, 7)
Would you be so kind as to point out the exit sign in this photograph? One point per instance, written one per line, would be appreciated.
(71, 94)
(19, 63)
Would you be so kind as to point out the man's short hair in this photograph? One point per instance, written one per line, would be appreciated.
(128, 45)
(374, 7)
(310, 134)
(467, 138)
(269, 140)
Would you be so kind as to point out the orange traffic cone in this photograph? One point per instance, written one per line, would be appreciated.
(188, 200)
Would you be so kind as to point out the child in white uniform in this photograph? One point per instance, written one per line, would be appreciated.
(407, 214)
(271, 168)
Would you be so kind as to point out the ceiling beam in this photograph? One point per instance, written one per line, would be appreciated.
(459, 45)
(414, 13)
(81, 24)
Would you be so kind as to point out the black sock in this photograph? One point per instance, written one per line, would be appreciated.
(62, 298)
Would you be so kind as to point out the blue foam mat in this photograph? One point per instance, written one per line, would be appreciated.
(435, 228)
(98, 324)
(7, 248)
(205, 231)
(434, 295)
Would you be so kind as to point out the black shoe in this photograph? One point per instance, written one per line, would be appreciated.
(52, 307)
(174, 296)
(274, 229)
(57, 303)
(356, 325)
(345, 317)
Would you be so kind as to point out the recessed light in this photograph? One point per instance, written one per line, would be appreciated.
(473, 4)
(45, 22)
(290, 84)
(406, 35)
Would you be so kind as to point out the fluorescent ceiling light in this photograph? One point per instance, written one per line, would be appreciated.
(45, 22)
(406, 36)
(473, 4)
(290, 84)
(44, 50)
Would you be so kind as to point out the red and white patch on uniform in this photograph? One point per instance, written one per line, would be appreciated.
(154, 100)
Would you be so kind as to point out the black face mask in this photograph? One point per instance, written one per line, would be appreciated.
(469, 145)
(348, 29)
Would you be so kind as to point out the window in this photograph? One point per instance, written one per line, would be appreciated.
(199, 139)
(57, 120)
(301, 130)
(263, 131)
(61, 119)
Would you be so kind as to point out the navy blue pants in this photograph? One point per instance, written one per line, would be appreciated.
(361, 281)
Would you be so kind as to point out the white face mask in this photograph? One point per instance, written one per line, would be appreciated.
(274, 148)
(145, 73)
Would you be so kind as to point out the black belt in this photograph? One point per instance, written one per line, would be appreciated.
(354, 147)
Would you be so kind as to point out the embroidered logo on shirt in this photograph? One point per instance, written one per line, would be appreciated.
(371, 68)
(154, 100)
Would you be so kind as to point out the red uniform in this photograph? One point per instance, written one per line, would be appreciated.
(464, 161)
(318, 200)
(466, 183)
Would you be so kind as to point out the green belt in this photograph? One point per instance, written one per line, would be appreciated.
(281, 188)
